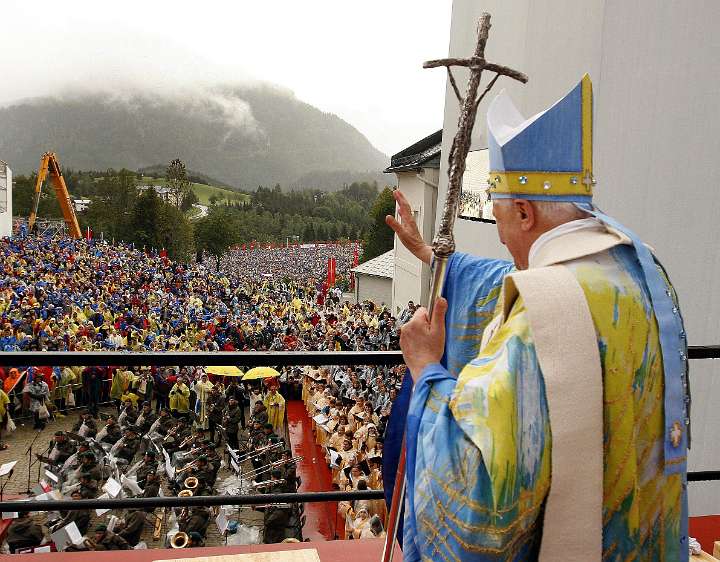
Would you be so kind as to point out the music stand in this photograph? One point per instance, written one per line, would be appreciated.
(6, 470)
(28, 452)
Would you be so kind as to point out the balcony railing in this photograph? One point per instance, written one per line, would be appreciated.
(251, 358)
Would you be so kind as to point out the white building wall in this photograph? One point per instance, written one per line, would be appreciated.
(5, 200)
(373, 288)
(657, 126)
(412, 278)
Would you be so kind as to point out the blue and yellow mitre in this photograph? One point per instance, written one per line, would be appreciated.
(545, 157)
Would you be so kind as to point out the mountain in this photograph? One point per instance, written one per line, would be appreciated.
(244, 136)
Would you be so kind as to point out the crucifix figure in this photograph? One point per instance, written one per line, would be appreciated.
(444, 242)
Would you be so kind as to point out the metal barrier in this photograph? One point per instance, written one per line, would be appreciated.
(193, 501)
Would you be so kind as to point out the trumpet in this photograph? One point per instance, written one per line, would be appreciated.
(179, 540)
(191, 483)
(186, 441)
(266, 483)
(188, 466)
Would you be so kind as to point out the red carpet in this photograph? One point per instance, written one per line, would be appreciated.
(314, 473)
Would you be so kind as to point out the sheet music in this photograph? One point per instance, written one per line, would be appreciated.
(320, 419)
(101, 434)
(51, 476)
(83, 431)
(69, 462)
(222, 522)
(54, 454)
(67, 535)
(7, 467)
(100, 512)
(334, 458)
(112, 487)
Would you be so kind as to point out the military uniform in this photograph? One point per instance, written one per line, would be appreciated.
(148, 418)
(89, 423)
(111, 541)
(196, 522)
(129, 448)
(134, 526)
(62, 451)
(233, 416)
(145, 469)
(114, 433)
(24, 533)
(81, 518)
(275, 519)
(152, 489)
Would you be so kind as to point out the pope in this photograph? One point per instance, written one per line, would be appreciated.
(500, 440)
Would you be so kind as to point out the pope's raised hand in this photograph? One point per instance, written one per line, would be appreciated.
(407, 230)
(422, 339)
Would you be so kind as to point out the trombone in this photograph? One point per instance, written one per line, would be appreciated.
(268, 467)
(266, 483)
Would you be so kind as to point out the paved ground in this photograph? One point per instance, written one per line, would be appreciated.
(18, 443)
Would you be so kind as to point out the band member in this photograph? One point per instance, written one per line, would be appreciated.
(149, 465)
(152, 485)
(275, 518)
(85, 426)
(88, 487)
(288, 472)
(112, 431)
(130, 445)
(236, 391)
(61, 448)
(216, 407)
(146, 418)
(195, 539)
(128, 415)
(134, 526)
(259, 413)
(81, 517)
(89, 467)
(233, 416)
(107, 540)
(24, 533)
(196, 521)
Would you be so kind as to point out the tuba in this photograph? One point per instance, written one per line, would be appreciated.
(179, 540)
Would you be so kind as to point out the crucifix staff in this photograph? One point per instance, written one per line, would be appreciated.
(444, 242)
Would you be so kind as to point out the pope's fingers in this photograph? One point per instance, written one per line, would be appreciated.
(438, 316)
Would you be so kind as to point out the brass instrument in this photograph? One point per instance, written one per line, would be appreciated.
(180, 540)
(158, 524)
(90, 544)
(185, 494)
(186, 441)
(266, 483)
(171, 433)
(188, 466)
(191, 483)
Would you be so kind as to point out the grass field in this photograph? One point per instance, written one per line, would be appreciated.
(204, 192)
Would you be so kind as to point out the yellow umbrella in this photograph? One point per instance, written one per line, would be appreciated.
(225, 371)
(260, 373)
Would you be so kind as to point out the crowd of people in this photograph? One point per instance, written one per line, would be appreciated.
(293, 261)
(350, 408)
(75, 295)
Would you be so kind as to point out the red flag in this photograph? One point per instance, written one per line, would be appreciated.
(89, 234)
(243, 247)
(356, 257)
(163, 253)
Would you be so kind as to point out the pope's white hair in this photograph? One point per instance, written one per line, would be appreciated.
(558, 211)
(553, 212)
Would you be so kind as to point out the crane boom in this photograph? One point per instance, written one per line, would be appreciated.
(49, 165)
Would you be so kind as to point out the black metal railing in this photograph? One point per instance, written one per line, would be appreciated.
(193, 501)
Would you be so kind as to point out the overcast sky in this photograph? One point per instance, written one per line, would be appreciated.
(361, 60)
